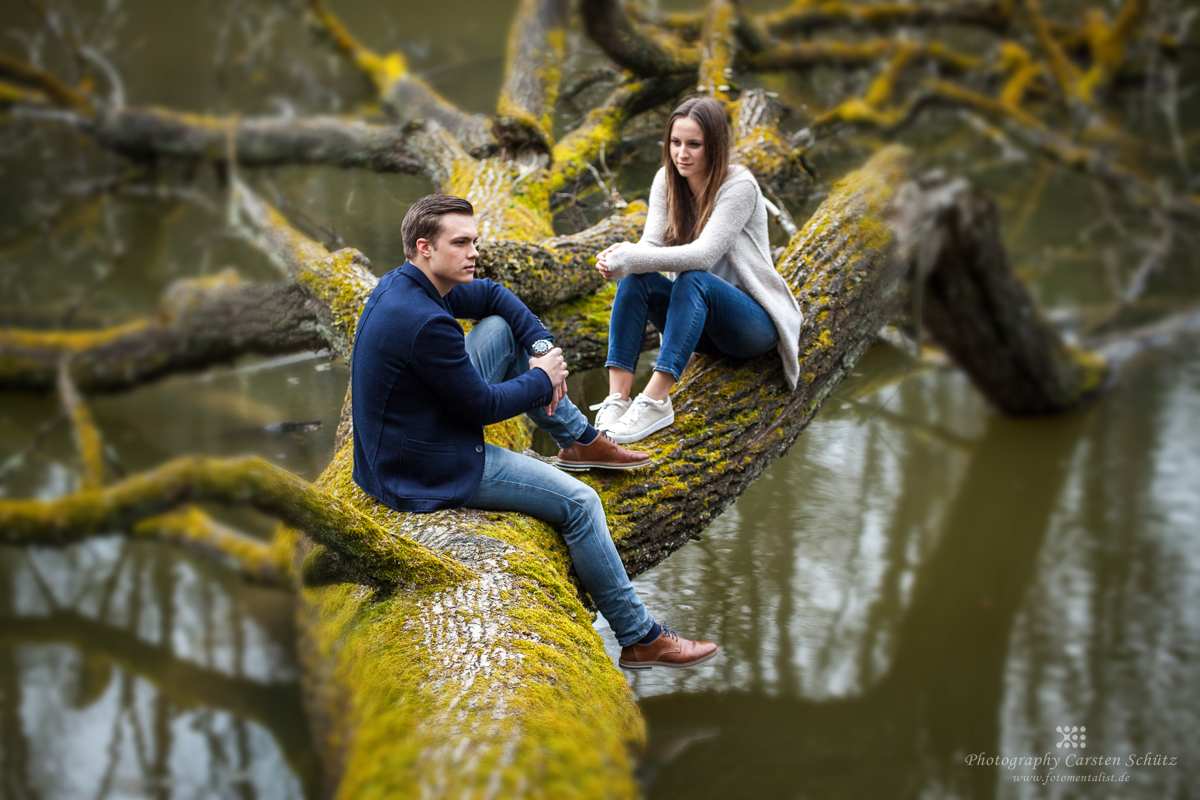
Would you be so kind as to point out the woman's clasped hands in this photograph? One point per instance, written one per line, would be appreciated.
(602, 260)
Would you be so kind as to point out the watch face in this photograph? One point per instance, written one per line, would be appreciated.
(540, 347)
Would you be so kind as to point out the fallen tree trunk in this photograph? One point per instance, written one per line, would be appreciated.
(499, 684)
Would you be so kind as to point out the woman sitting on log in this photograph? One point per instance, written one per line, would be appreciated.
(707, 231)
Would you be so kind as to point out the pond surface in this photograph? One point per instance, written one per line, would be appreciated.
(918, 582)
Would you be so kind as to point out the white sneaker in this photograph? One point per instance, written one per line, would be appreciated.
(611, 409)
(644, 417)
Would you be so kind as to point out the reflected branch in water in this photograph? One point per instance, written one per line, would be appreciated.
(942, 696)
(276, 707)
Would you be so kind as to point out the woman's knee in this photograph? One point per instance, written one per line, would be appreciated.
(692, 280)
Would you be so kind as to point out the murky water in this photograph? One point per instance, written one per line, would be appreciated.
(920, 581)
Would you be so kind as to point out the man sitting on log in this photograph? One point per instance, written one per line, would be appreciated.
(422, 392)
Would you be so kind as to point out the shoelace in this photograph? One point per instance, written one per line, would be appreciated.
(635, 411)
(611, 400)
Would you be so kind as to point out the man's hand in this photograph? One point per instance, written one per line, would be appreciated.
(602, 260)
(555, 366)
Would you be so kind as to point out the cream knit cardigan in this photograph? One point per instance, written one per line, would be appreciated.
(737, 228)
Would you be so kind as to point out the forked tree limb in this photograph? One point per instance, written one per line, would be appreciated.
(601, 130)
(28, 75)
(338, 283)
(198, 324)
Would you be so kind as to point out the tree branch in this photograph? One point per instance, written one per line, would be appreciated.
(806, 55)
(87, 436)
(62, 95)
(339, 283)
(804, 17)
(406, 97)
(191, 529)
(981, 314)
(150, 133)
(717, 48)
(368, 554)
(199, 323)
(641, 51)
(525, 115)
(559, 269)
(601, 130)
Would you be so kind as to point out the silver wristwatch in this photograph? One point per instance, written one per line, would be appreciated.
(540, 347)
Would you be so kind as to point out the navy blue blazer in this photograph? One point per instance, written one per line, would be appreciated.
(419, 405)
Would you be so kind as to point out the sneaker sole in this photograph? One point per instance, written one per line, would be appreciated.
(584, 466)
(642, 434)
(689, 665)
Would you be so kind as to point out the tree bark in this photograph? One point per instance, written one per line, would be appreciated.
(982, 315)
(198, 324)
(150, 133)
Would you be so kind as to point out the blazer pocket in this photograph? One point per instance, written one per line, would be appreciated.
(430, 467)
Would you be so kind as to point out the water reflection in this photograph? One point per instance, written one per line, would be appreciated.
(130, 671)
(916, 585)
(145, 672)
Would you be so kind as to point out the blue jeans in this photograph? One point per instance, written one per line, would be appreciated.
(697, 312)
(496, 356)
(514, 482)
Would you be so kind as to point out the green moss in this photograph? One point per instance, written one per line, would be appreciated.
(415, 712)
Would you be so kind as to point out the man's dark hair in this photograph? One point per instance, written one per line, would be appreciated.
(424, 219)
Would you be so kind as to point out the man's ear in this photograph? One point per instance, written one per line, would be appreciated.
(424, 247)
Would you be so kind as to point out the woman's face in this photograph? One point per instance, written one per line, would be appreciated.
(687, 148)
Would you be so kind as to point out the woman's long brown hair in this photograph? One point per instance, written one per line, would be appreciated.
(686, 213)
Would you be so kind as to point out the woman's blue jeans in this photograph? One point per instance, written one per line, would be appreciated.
(697, 312)
(514, 482)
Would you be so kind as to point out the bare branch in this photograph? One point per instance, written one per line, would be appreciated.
(338, 282)
(261, 142)
(603, 126)
(805, 55)
(717, 48)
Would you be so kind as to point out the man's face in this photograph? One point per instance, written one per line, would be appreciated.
(451, 257)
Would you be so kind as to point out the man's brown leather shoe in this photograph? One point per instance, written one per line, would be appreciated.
(668, 650)
(603, 453)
